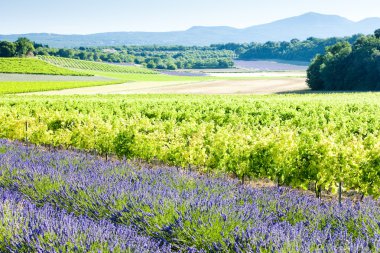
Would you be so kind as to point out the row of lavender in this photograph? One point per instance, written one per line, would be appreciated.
(188, 211)
(26, 228)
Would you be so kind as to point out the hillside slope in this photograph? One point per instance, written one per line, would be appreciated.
(34, 66)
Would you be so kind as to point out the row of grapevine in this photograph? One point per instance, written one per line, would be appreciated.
(94, 66)
(301, 141)
(34, 66)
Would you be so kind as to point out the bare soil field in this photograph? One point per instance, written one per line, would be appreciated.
(244, 86)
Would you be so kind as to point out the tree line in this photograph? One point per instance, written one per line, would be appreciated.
(294, 50)
(183, 57)
(347, 67)
(154, 57)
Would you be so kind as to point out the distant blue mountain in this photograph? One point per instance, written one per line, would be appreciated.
(300, 27)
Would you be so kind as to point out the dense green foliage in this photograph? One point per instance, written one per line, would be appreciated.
(157, 57)
(21, 47)
(34, 66)
(94, 66)
(24, 47)
(214, 56)
(295, 50)
(7, 49)
(184, 57)
(165, 57)
(301, 141)
(347, 67)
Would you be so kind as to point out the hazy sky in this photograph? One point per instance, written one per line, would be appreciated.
(91, 16)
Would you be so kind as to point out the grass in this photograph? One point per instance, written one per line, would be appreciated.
(24, 87)
(34, 66)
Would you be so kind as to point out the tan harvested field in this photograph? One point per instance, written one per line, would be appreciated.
(261, 74)
(254, 86)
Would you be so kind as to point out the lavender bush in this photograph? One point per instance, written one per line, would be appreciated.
(192, 212)
(27, 228)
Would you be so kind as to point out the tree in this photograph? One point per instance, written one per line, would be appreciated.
(7, 49)
(335, 66)
(314, 79)
(377, 33)
(346, 67)
(24, 47)
(171, 66)
(67, 53)
(151, 65)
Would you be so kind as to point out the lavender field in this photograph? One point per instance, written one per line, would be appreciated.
(271, 65)
(65, 201)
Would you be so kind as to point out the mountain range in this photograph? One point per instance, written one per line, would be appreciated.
(301, 27)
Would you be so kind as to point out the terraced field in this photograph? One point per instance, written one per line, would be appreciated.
(35, 66)
(94, 66)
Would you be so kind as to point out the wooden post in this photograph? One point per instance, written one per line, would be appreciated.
(340, 193)
(26, 132)
(95, 153)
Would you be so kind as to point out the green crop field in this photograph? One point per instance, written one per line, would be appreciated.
(34, 66)
(94, 66)
(23, 87)
(295, 140)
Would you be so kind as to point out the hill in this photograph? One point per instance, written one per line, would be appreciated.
(300, 27)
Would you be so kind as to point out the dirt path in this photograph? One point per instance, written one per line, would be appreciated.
(254, 86)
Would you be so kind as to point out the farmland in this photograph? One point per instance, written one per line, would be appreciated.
(204, 150)
(129, 127)
(21, 75)
(113, 206)
(94, 66)
(33, 86)
(34, 66)
(194, 85)
(304, 141)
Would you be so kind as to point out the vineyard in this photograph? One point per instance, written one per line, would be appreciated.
(325, 143)
(34, 66)
(64, 201)
(94, 66)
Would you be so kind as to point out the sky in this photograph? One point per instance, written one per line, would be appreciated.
(93, 16)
